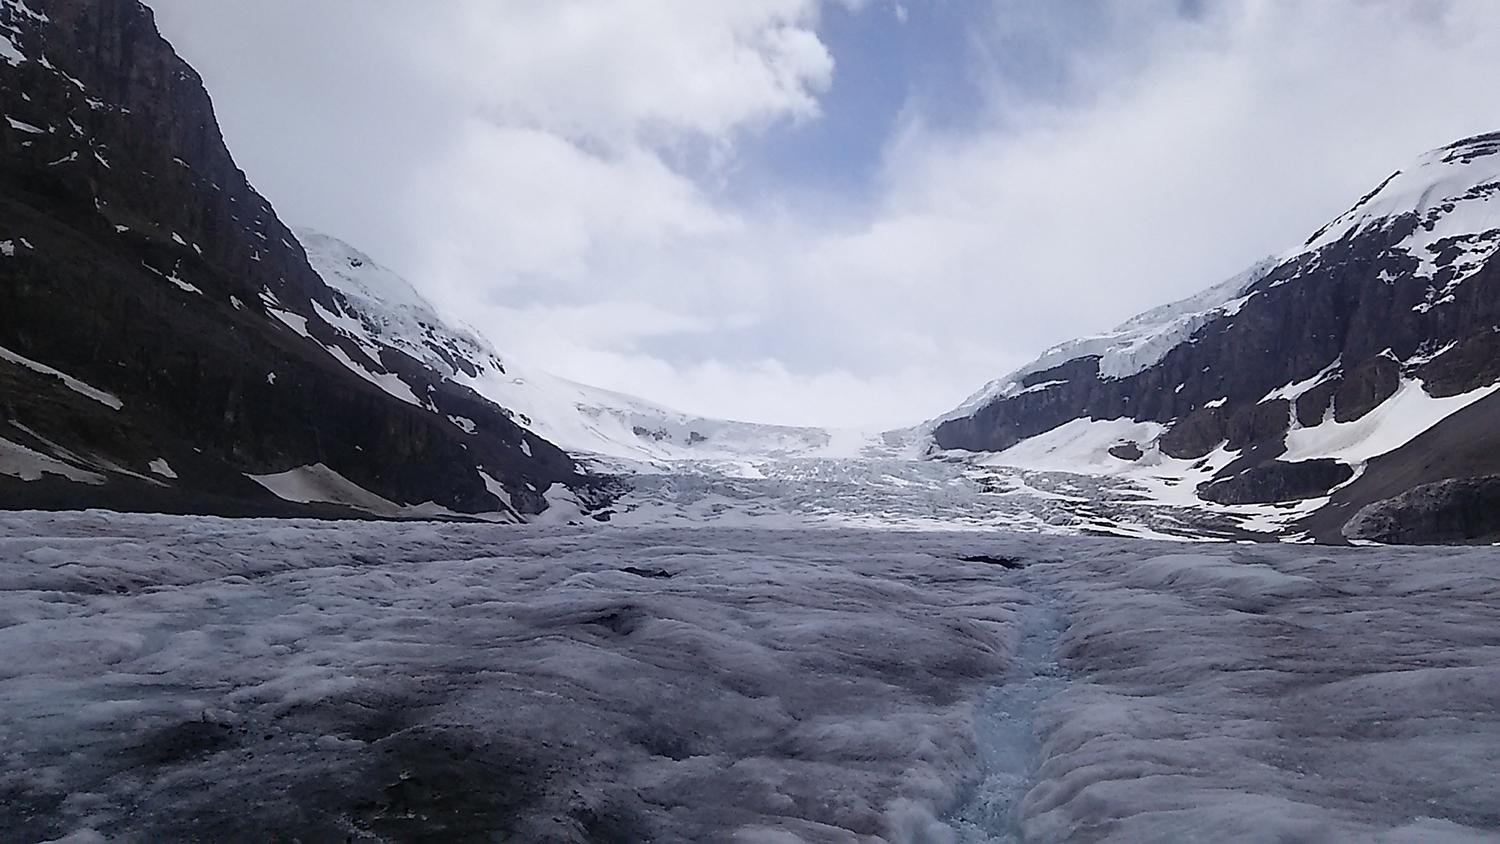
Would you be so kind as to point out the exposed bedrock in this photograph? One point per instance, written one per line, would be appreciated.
(1278, 481)
(1447, 512)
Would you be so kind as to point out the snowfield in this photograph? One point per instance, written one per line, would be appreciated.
(168, 677)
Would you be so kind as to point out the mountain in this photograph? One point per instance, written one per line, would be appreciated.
(605, 428)
(164, 342)
(1348, 382)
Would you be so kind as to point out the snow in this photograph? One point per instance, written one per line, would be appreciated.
(562, 507)
(175, 677)
(361, 279)
(20, 125)
(1294, 390)
(161, 467)
(19, 7)
(1132, 347)
(28, 464)
(184, 286)
(1421, 358)
(1453, 192)
(1397, 421)
(390, 310)
(319, 484)
(386, 381)
(497, 489)
(107, 399)
(1065, 481)
(296, 322)
(8, 248)
(174, 279)
(1080, 446)
(9, 52)
(1040, 387)
(351, 328)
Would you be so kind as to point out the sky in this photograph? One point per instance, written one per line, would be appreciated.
(825, 212)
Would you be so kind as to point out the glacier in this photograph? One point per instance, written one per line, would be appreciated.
(174, 677)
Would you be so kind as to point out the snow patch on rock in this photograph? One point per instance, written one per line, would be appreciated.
(1454, 194)
(318, 484)
(28, 464)
(1397, 421)
(109, 400)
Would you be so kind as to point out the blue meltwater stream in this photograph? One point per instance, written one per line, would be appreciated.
(1008, 748)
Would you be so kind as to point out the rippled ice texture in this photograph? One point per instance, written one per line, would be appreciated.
(170, 677)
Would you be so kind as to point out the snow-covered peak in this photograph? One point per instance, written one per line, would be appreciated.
(1453, 192)
(393, 312)
(1133, 346)
(354, 273)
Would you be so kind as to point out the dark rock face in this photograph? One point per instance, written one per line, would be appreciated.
(1278, 481)
(1195, 435)
(1365, 387)
(1448, 512)
(1313, 405)
(1127, 451)
(142, 263)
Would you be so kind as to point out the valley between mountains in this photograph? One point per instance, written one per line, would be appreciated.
(287, 553)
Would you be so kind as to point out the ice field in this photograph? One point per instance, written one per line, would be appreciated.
(168, 678)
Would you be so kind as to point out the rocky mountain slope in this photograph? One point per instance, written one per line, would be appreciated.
(164, 343)
(1343, 375)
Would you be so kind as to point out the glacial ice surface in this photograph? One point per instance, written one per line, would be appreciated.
(170, 678)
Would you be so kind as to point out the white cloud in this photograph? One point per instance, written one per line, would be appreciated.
(508, 204)
(522, 161)
(611, 72)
